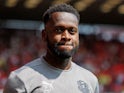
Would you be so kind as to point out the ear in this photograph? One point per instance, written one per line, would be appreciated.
(44, 35)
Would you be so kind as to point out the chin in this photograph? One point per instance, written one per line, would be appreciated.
(64, 54)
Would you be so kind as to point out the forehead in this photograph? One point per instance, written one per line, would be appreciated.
(64, 18)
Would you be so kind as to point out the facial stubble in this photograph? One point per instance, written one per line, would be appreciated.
(61, 54)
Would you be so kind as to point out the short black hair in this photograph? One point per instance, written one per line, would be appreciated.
(60, 8)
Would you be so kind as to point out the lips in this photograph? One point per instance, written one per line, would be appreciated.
(66, 46)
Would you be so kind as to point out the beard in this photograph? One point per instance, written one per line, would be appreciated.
(62, 54)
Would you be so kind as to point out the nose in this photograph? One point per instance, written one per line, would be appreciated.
(66, 35)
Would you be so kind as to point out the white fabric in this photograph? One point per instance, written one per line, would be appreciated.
(39, 77)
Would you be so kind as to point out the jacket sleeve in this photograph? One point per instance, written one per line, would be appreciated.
(14, 85)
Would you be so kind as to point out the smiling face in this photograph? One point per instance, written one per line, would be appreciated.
(61, 34)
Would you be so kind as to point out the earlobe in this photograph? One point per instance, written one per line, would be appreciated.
(43, 34)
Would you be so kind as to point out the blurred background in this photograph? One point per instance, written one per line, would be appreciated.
(101, 38)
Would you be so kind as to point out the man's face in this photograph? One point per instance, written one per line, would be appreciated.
(62, 34)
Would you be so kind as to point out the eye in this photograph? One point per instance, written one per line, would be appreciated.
(59, 29)
(72, 30)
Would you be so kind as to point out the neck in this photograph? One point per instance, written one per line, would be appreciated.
(64, 64)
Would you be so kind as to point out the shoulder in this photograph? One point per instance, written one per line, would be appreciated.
(89, 77)
(22, 77)
(86, 73)
(29, 66)
(26, 71)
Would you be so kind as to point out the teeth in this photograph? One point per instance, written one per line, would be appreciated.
(66, 44)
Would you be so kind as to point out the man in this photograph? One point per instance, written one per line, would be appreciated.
(55, 72)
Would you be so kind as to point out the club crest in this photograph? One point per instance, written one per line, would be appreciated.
(83, 87)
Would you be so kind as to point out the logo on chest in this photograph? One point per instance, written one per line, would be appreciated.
(83, 87)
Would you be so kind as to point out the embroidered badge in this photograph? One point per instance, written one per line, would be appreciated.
(83, 87)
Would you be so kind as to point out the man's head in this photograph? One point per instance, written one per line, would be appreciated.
(61, 30)
(59, 8)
